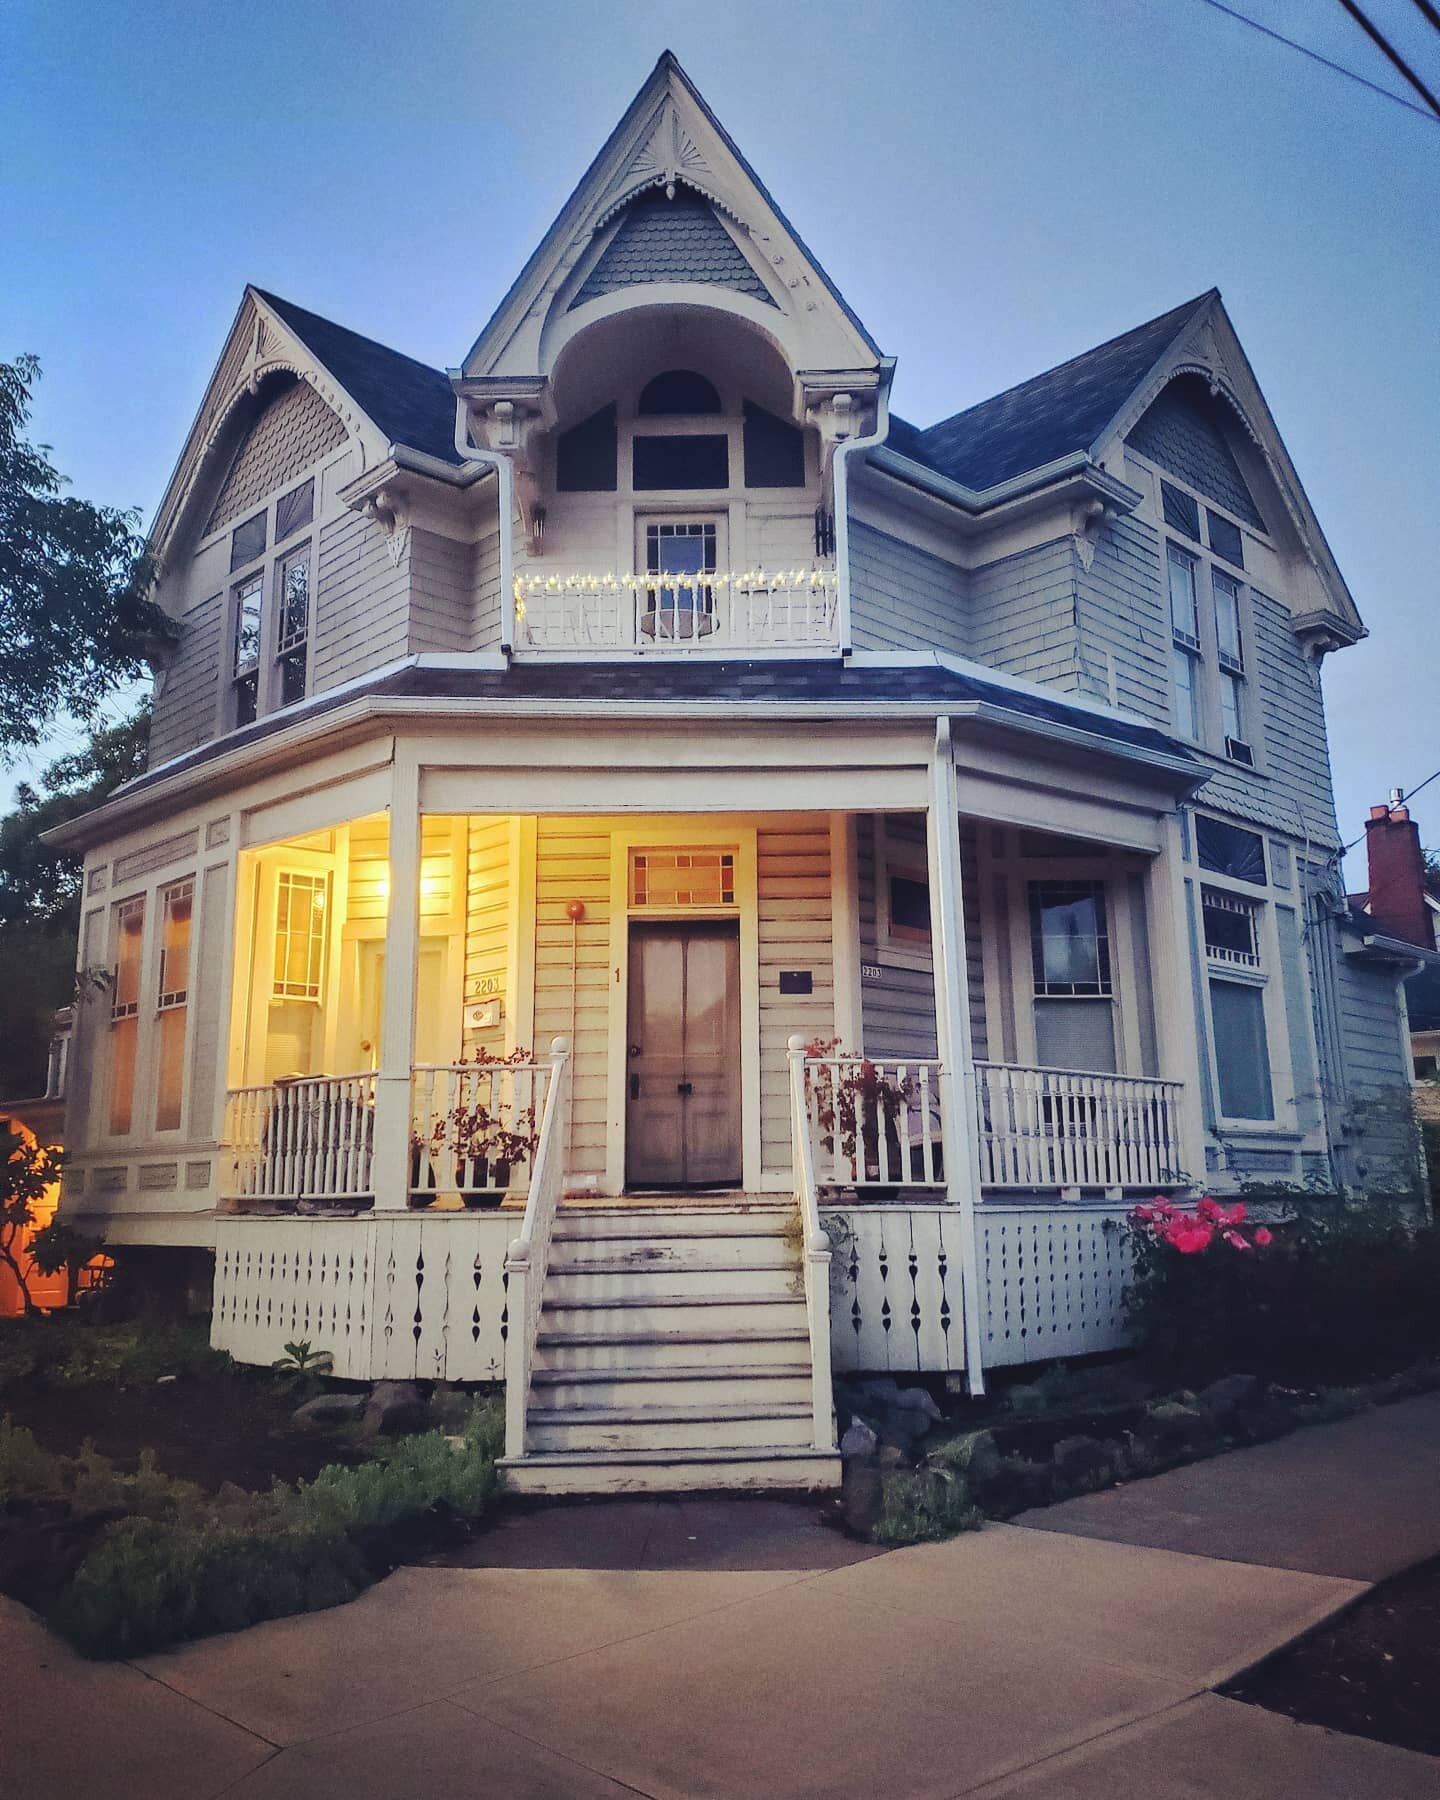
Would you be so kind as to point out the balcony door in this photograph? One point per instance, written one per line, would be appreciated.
(683, 1109)
(689, 549)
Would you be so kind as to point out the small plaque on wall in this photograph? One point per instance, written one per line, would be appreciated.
(796, 981)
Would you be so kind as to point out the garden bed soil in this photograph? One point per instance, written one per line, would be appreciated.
(1372, 1671)
(234, 1427)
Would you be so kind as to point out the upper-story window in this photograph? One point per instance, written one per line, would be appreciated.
(270, 607)
(1209, 673)
(1244, 1004)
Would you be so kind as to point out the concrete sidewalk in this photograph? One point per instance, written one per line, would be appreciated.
(1016, 1660)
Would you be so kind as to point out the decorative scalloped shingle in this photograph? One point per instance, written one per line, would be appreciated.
(671, 240)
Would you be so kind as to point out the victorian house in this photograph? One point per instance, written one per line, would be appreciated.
(658, 878)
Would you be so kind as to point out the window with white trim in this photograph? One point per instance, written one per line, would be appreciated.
(1073, 994)
(270, 604)
(1209, 667)
(128, 936)
(177, 903)
(1234, 928)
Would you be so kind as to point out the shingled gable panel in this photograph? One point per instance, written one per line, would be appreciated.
(671, 240)
(1180, 430)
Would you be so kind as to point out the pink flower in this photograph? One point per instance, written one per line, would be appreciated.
(1233, 1215)
(1263, 1236)
(1190, 1236)
(1236, 1240)
(1209, 1208)
(1143, 1215)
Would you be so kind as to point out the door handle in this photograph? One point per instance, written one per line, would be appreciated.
(634, 1087)
(683, 1087)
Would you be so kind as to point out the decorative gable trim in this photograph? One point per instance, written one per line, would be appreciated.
(258, 347)
(667, 138)
(670, 233)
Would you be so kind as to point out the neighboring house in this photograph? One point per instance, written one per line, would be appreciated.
(643, 702)
(1401, 897)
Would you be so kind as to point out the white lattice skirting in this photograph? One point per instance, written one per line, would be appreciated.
(1053, 1280)
(405, 1297)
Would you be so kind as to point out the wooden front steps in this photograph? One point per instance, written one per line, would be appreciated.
(673, 1355)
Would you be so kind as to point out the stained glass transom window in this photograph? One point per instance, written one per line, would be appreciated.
(682, 878)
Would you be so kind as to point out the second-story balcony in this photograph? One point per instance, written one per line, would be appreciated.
(714, 611)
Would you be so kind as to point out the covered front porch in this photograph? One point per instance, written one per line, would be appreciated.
(682, 958)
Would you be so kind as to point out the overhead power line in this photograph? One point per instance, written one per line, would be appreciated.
(1391, 55)
(1406, 796)
(1324, 61)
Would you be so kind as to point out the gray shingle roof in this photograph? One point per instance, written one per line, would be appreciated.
(866, 689)
(671, 240)
(1048, 416)
(411, 403)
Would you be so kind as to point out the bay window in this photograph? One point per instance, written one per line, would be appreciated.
(128, 930)
(176, 907)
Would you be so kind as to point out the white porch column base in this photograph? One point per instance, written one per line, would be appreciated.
(959, 1114)
(391, 1167)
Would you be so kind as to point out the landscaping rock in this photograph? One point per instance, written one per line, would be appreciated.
(1223, 1397)
(1083, 1465)
(862, 1494)
(1175, 1430)
(859, 1442)
(881, 1390)
(891, 1456)
(1014, 1485)
(903, 1426)
(329, 1409)
(1262, 1418)
(917, 1400)
(394, 1407)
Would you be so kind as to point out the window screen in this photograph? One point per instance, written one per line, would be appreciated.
(1229, 850)
(1242, 1056)
(295, 510)
(774, 450)
(1225, 539)
(682, 462)
(1230, 922)
(247, 541)
(909, 907)
(1181, 512)
(587, 457)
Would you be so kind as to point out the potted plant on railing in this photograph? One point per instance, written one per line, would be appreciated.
(853, 1104)
(475, 1146)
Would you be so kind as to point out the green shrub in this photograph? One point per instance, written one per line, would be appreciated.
(922, 1506)
(195, 1565)
(148, 1584)
(26, 1471)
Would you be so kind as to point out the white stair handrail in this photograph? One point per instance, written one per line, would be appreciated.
(816, 1251)
(529, 1255)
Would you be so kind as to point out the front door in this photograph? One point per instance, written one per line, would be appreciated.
(683, 1115)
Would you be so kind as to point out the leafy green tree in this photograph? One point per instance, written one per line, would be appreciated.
(76, 620)
(27, 1171)
(40, 894)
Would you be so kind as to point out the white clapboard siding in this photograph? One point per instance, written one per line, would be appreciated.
(573, 863)
(793, 932)
(488, 959)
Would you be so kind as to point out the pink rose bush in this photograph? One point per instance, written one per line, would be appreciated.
(1164, 1224)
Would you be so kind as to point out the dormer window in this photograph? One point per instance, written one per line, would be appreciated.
(678, 392)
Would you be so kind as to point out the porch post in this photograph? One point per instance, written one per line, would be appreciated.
(1178, 1005)
(391, 1167)
(959, 1116)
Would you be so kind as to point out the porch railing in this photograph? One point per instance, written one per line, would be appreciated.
(874, 1124)
(473, 1128)
(1053, 1128)
(529, 1256)
(815, 1248)
(311, 1138)
(754, 609)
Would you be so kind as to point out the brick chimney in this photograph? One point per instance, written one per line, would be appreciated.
(1397, 873)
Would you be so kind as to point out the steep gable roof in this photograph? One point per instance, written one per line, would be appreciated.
(1064, 410)
(410, 402)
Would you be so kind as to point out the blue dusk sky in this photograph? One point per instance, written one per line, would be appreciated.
(994, 188)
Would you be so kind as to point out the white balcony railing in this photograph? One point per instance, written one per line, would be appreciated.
(719, 610)
(874, 1124)
(1054, 1128)
(311, 1138)
(474, 1128)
